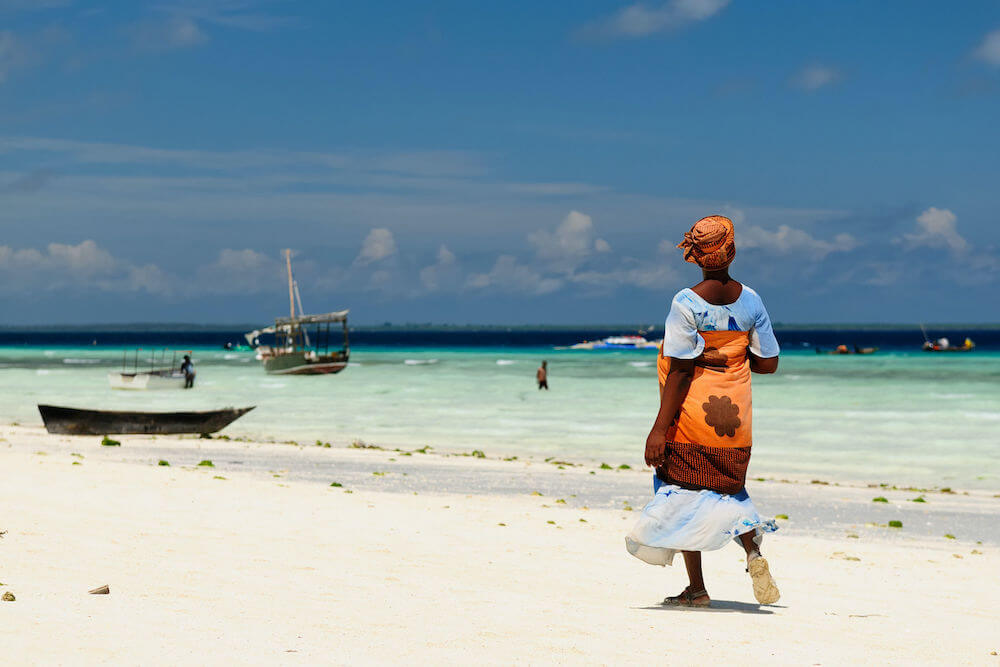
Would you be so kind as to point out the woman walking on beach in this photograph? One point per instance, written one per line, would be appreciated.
(717, 333)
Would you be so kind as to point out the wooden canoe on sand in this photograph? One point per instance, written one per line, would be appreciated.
(74, 421)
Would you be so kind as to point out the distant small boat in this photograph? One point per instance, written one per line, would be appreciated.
(158, 375)
(615, 343)
(75, 421)
(944, 345)
(843, 349)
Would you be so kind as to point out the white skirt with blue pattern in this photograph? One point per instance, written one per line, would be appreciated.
(678, 519)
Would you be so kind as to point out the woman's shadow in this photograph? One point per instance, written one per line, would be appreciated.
(718, 606)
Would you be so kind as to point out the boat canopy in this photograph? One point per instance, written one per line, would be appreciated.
(336, 316)
(286, 324)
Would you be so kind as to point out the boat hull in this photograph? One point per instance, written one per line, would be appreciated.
(75, 421)
(299, 363)
(145, 381)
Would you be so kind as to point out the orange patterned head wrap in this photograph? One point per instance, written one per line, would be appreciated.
(711, 243)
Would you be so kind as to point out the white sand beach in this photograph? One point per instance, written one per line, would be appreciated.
(237, 563)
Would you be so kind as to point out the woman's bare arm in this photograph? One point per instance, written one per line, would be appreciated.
(674, 390)
(764, 365)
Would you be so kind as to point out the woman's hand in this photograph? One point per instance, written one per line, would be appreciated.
(656, 448)
(711, 358)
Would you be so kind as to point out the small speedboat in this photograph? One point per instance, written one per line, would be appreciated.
(615, 343)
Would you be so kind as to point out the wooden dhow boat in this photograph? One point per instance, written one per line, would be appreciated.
(77, 421)
(295, 351)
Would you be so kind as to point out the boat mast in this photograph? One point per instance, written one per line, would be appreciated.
(291, 294)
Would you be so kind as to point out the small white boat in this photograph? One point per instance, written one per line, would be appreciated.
(157, 375)
(147, 381)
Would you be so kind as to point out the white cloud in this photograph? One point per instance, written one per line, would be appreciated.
(989, 50)
(642, 20)
(443, 273)
(572, 242)
(655, 275)
(507, 275)
(377, 246)
(173, 32)
(786, 240)
(936, 228)
(84, 266)
(814, 77)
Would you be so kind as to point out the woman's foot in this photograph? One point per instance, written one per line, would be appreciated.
(689, 598)
(764, 587)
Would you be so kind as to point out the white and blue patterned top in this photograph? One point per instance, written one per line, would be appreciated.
(689, 314)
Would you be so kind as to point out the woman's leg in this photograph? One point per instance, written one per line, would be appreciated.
(749, 545)
(695, 594)
(692, 561)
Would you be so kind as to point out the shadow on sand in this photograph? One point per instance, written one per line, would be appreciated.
(718, 606)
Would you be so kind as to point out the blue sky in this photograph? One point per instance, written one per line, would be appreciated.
(508, 162)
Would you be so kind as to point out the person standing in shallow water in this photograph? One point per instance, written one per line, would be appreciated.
(717, 333)
(187, 367)
(542, 375)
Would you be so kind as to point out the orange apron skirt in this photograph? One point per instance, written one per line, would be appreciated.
(709, 441)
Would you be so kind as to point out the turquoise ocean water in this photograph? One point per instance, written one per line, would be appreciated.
(904, 417)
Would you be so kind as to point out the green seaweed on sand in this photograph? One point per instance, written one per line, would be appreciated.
(510, 458)
(551, 522)
(218, 477)
(624, 466)
(582, 520)
(206, 464)
(320, 443)
(918, 499)
(77, 463)
(781, 516)
(605, 466)
(379, 474)
(853, 536)
(759, 479)
(947, 489)
(502, 524)
(361, 444)
(164, 463)
(477, 454)
(560, 501)
(627, 507)
(422, 450)
(949, 536)
(819, 481)
(108, 442)
(77, 455)
(536, 493)
(880, 499)
(895, 524)
(336, 484)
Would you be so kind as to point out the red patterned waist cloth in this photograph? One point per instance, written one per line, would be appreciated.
(698, 467)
